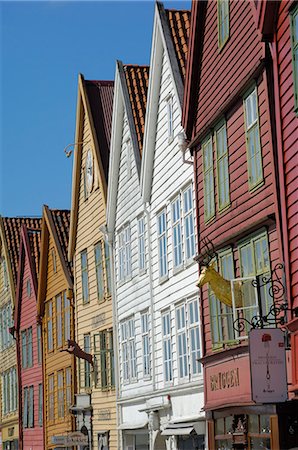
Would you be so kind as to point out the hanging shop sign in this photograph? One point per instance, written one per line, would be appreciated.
(268, 365)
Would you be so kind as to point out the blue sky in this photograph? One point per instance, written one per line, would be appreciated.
(44, 45)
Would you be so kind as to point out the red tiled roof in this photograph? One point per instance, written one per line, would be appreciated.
(179, 23)
(12, 228)
(100, 96)
(137, 78)
(34, 240)
(61, 220)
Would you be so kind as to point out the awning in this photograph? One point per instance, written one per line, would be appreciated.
(133, 425)
(183, 429)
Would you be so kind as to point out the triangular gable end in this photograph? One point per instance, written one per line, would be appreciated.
(162, 41)
(84, 109)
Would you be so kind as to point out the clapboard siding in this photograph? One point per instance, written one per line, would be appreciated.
(225, 70)
(90, 216)
(289, 138)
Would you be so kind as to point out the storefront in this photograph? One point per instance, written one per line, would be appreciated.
(10, 439)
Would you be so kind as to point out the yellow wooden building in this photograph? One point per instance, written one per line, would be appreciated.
(55, 305)
(9, 255)
(89, 252)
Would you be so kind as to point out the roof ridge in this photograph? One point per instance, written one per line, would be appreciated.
(145, 66)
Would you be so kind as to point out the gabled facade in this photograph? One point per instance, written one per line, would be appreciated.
(229, 117)
(89, 252)
(168, 191)
(127, 225)
(55, 310)
(9, 247)
(29, 343)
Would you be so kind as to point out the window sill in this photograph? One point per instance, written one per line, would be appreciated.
(223, 209)
(210, 220)
(163, 279)
(170, 139)
(190, 262)
(256, 186)
(178, 269)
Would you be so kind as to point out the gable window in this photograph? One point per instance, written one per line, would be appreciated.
(170, 119)
(177, 234)
(87, 366)
(51, 397)
(167, 346)
(209, 205)
(104, 359)
(99, 270)
(189, 231)
(50, 337)
(128, 159)
(253, 145)
(5, 275)
(223, 22)
(162, 244)
(84, 269)
(59, 321)
(54, 262)
(27, 348)
(128, 346)
(124, 254)
(222, 167)
(145, 343)
(67, 317)
(141, 244)
(294, 39)
(28, 288)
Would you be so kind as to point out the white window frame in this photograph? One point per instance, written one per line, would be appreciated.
(162, 244)
(167, 347)
(128, 347)
(189, 224)
(128, 147)
(124, 253)
(170, 118)
(141, 245)
(146, 344)
(181, 341)
(194, 331)
(177, 241)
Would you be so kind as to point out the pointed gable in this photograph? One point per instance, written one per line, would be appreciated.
(137, 78)
(61, 221)
(179, 25)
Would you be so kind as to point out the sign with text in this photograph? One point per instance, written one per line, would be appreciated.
(268, 365)
(70, 439)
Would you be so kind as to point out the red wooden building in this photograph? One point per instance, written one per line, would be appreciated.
(29, 343)
(229, 118)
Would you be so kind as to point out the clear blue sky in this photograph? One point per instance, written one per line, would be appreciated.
(44, 45)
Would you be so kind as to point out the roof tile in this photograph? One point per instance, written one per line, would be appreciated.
(179, 23)
(61, 219)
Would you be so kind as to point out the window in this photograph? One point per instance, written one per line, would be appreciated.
(28, 407)
(253, 145)
(182, 352)
(167, 346)
(108, 269)
(9, 390)
(54, 262)
(27, 348)
(39, 344)
(128, 159)
(162, 244)
(31, 408)
(87, 366)
(129, 361)
(67, 317)
(209, 206)
(28, 288)
(68, 389)
(194, 336)
(294, 39)
(221, 315)
(222, 168)
(25, 407)
(51, 397)
(141, 244)
(177, 233)
(40, 404)
(170, 120)
(84, 268)
(50, 337)
(223, 22)
(189, 231)
(99, 270)
(145, 343)
(124, 254)
(6, 321)
(104, 358)
(59, 321)
(5, 275)
(60, 393)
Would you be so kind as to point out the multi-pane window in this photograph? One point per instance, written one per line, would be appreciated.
(6, 321)
(39, 344)
(54, 261)
(31, 407)
(67, 317)
(50, 337)
(99, 270)
(141, 243)
(28, 407)
(68, 394)
(9, 391)
(27, 348)
(40, 404)
(51, 397)
(223, 21)
(170, 119)
(5, 275)
(222, 167)
(162, 244)
(108, 269)
(59, 321)
(104, 359)
(253, 144)
(124, 254)
(128, 159)
(128, 346)
(189, 230)
(145, 343)
(25, 406)
(182, 351)
(87, 366)
(177, 232)
(209, 205)
(84, 269)
(60, 393)
(28, 288)
(294, 39)
(194, 337)
(167, 346)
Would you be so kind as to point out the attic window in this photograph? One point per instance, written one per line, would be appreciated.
(54, 262)
(170, 119)
(223, 22)
(28, 288)
(128, 159)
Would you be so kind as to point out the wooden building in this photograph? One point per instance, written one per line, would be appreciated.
(229, 118)
(9, 248)
(89, 251)
(29, 343)
(55, 309)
